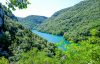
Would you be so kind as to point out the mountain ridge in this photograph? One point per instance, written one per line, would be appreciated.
(31, 21)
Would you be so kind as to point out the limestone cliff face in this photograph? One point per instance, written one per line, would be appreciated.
(1, 19)
(5, 12)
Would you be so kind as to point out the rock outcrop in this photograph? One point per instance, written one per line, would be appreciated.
(1, 19)
(4, 11)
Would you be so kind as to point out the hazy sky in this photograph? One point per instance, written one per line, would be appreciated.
(44, 7)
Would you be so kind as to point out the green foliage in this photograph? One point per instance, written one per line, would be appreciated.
(3, 60)
(37, 57)
(94, 32)
(80, 24)
(17, 3)
(16, 39)
(86, 51)
(83, 54)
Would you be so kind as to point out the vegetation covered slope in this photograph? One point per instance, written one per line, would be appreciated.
(15, 39)
(7, 12)
(20, 46)
(32, 21)
(24, 47)
(74, 21)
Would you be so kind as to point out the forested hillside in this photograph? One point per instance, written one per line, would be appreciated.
(74, 21)
(79, 24)
(16, 40)
(31, 21)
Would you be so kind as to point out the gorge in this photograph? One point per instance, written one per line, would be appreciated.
(69, 36)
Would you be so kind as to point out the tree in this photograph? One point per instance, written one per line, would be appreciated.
(12, 4)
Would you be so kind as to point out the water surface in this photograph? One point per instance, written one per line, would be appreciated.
(60, 40)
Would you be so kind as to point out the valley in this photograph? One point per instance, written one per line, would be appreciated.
(70, 36)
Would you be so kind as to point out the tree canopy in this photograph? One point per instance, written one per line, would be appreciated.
(17, 3)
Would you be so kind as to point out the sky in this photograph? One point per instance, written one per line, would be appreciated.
(43, 7)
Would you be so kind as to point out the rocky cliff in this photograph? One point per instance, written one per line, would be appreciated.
(5, 12)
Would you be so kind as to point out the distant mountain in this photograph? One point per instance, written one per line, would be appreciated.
(74, 21)
(31, 21)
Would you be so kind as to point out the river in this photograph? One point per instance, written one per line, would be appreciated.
(59, 40)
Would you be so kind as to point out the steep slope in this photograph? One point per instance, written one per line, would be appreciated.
(16, 39)
(24, 47)
(4, 11)
(74, 20)
(31, 21)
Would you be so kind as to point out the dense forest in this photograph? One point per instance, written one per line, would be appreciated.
(31, 21)
(74, 21)
(15, 40)
(79, 24)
